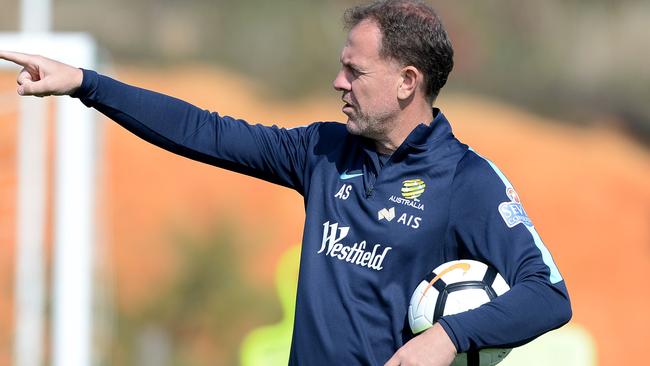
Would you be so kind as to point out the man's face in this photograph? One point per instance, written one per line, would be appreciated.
(368, 82)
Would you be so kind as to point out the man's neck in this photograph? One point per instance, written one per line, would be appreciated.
(406, 122)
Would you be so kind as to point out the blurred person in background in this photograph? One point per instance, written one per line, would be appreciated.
(358, 269)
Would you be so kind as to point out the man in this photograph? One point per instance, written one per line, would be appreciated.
(369, 237)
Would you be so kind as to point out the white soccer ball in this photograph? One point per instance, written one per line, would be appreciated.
(454, 287)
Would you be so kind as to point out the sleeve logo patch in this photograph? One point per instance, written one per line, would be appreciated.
(513, 212)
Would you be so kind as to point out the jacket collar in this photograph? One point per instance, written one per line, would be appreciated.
(422, 137)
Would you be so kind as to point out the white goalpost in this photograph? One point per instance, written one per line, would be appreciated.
(74, 214)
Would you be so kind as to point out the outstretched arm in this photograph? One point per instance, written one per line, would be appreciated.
(270, 153)
(42, 76)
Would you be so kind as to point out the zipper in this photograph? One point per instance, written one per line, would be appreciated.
(372, 168)
(370, 174)
(371, 185)
(376, 165)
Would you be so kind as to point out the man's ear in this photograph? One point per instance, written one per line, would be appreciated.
(410, 78)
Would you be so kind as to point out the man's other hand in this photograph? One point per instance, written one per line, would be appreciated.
(41, 76)
(431, 348)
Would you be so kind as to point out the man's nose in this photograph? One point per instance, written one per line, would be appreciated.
(341, 83)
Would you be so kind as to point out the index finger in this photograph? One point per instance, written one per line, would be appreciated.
(21, 59)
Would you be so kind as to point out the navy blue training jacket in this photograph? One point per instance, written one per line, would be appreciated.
(374, 227)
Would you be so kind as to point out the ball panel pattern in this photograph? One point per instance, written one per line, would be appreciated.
(452, 288)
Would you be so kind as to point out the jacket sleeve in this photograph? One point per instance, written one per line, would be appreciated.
(488, 223)
(274, 154)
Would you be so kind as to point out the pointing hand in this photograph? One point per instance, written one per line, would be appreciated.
(42, 77)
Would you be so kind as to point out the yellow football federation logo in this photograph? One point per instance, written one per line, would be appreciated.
(413, 188)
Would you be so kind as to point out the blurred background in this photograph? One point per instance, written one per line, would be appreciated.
(556, 93)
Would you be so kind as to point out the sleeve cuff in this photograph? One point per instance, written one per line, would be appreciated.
(452, 335)
(88, 86)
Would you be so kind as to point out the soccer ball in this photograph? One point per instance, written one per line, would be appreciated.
(454, 287)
